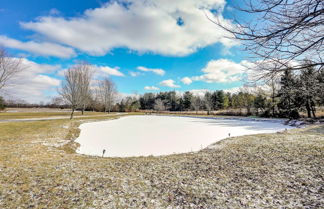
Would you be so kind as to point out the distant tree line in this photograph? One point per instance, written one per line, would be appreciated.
(285, 96)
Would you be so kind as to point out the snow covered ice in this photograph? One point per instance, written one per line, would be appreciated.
(162, 135)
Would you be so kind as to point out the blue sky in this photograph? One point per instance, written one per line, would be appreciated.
(143, 46)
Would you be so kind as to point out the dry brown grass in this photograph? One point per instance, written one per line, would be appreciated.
(38, 169)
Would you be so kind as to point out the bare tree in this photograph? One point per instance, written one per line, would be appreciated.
(283, 33)
(70, 90)
(274, 84)
(159, 105)
(85, 73)
(76, 86)
(9, 67)
(208, 102)
(196, 103)
(107, 93)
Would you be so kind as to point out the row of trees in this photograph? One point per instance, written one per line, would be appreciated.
(244, 101)
(80, 91)
(284, 96)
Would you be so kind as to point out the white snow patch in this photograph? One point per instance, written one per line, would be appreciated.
(163, 135)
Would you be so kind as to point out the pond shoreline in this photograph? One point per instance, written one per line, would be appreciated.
(164, 135)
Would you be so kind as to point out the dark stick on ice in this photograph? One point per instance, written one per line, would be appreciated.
(229, 134)
(103, 152)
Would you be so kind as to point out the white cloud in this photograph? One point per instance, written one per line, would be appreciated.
(32, 84)
(44, 79)
(100, 71)
(39, 48)
(169, 83)
(223, 71)
(186, 80)
(140, 25)
(106, 70)
(250, 89)
(134, 74)
(156, 71)
(151, 88)
(199, 92)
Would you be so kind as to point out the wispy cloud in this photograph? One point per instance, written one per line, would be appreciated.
(106, 70)
(39, 48)
(151, 88)
(134, 74)
(156, 71)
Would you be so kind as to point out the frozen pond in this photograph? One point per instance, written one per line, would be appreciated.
(163, 135)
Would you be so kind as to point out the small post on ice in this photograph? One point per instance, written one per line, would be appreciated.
(229, 134)
(103, 152)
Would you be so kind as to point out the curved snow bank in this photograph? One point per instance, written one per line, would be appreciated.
(162, 135)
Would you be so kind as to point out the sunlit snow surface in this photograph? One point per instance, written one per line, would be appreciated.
(163, 135)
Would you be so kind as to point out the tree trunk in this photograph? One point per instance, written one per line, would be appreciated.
(273, 105)
(309, 115)
(313, 111)
(82, 110)
(313, 108)
(72, 113)
(273, 97)
(248, 109)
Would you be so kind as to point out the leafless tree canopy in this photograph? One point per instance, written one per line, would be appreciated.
(159, 105)
(85, 73)
(76, 86)
(284, 32)
(8, 67)
(107, 93)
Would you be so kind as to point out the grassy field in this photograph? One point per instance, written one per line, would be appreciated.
(26, 115)
(39, 169)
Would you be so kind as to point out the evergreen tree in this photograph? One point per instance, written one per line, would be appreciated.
(147, 101)
(320, 90)
(220, 99)
(181, 104)
(187, 98)
(214, 98)
(227, 100)
(287, 104)
(308, 86)
(260, 102)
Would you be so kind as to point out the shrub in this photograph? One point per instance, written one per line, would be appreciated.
(2, 104)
